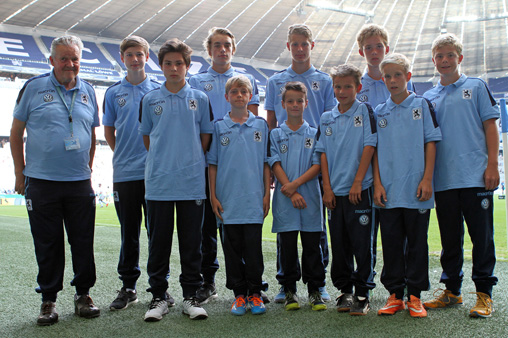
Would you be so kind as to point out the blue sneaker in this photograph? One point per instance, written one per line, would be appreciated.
(281, 296)
(239, 307)
(324, 294)
(257, 307)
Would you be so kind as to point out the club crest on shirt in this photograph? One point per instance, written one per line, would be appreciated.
(48, 98)
(315, 85)
(283, 148)
(28, 203)
(382, 123)
(485, 203)
(257, 136)
(193, 105)
(417, 113)
(467, 94)
(158, 110)
(363, 98)
(84, 98)
(364, 219)
(358, 121)
(224, 141)
(208, 87)
(328, 131)
(309, 142)
(121, 102)
(116, 197)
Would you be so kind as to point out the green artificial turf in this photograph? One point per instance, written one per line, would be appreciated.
(20, 304)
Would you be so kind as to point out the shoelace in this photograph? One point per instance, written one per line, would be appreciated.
(315, 297)
(239, 302)
(439, 293)
(46, 309)
(256, 301)
(155, 303)
(482, 298)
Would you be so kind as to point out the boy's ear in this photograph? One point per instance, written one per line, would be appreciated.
(408, 76)
(226, 96)
(358, 88)
(387, 49)
(360, 51)
(312, 45)
(460, 58)
(147, 56)
(283, 104)
(287, 44)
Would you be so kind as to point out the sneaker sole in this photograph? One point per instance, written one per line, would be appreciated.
(212, 297)
(388, 313)
(279, 300)
(112, 308)
(238, 313)
(360, 313)
(258, 313)
(478, 315)
(442, 307)
(343, 309)
(196, 317)
(47, 323)
(321, 307)
(93, 315)
(292, 307)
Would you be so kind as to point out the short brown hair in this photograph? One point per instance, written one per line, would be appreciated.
(300, 29)
(370, 30)
(296, 86)
(448, 39)
(175, 46)
(239, 81)
(347, 70)
(134, 41)
(207, 43)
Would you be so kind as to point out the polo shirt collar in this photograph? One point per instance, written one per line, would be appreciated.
(56, 83)
(457, 83)
(227, 73)
(181, 93)
(292, 73)
(404, 104)
(366, 77)
(230, 123)
(300, 131)
(144, 83)
(336, 113)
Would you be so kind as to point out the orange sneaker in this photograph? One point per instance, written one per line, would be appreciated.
(443, 299)
(392, 306)
(415, 307)
(483, 307)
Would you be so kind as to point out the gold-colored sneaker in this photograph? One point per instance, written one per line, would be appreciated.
(483, 307)
(443, 299)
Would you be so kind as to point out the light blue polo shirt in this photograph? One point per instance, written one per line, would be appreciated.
(214, 85)
(461, 108)
(240, 151)
(121, 110)
(403, 130)
(47, 125)
(342, 138)
(375, 91)
(319, 93)
(175, 164)
(294, 150)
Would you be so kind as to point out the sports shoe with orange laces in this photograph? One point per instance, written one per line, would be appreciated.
(256, 304)
(483, 307)
(443, 299)
(415, 307)
(239, 307)
(392, 306)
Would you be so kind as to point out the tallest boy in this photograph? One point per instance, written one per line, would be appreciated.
(320, 96)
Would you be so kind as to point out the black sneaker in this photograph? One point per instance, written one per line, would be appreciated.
(206, 293)
(264, 296)
(170, 300)
(359, 307)
(48, 315)
(84, 307)
(123, 299)
(344, 302)
(316, 302)
(291, 301)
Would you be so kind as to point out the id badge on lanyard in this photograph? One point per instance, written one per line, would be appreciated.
(71, 142)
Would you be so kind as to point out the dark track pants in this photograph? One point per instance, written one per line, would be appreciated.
(475, 205)
(160, 237)
(210, 263)
(53, 206)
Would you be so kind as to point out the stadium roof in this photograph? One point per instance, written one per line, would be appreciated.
(260, 26)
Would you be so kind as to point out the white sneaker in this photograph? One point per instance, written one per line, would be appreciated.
(192, 308)
(158, 307)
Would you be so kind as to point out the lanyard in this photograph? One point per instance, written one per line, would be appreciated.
(68, 109)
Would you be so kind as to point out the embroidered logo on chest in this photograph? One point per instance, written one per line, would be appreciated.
(315, 85)
(283, 148)
(309, 142)
(48, 98)
(328, 131)
(158, 110)
(84, 98)
(417, 113)
(358, 121)
(257, 136)
(224, 141)
(121, 102)
(193, 105)
(467, 94)
(208, 87)
(382, 123)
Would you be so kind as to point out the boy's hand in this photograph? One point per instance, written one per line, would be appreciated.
(298, 201)
(216, 207)
(355, 194)
(329, 199)
(289, 189)
(424, 191)
(491, 177)
(380, 195)
(19, 185)
(266, 205)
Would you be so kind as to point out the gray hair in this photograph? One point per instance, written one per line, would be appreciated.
(67, 40)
